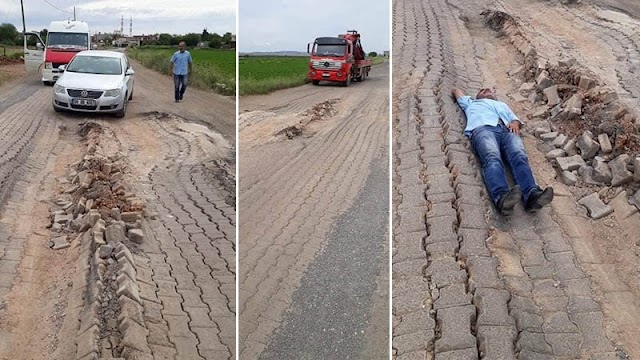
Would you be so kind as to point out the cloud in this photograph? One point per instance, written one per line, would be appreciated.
(290, 25)
(149, 16)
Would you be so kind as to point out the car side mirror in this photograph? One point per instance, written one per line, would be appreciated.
(39, 46)
(129, 72)
(61, 67)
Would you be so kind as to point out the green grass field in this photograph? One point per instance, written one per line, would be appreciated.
(264, 74)
(212, 69)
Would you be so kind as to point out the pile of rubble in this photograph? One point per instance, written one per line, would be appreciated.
(587, 133)
(105, 224)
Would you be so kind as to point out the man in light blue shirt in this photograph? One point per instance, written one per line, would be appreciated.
(494, 132)
(181, 66)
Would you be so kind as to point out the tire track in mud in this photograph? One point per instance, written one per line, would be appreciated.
(288, 213)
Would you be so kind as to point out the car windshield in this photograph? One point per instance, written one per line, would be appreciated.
(67, 40)
(329, 50)
(95, 65)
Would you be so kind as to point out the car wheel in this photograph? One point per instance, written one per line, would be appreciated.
(316, 82)
(131, 95)
(56, 109)
(47, 83)
(122, 112)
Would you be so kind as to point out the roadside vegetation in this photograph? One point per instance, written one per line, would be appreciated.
(265, 74)
(213, 69)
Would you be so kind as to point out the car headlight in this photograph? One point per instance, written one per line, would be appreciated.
(112, 93)
(48, 65)
(58, 89)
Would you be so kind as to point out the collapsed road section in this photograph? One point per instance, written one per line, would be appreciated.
(468, 283)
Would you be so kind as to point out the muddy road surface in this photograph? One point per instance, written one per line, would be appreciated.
(117, 236)
(557, 284)
(313, 244)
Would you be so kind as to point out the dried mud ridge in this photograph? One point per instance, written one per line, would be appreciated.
(589, 135)
(461, 288)
(104, 308)
(318, 112)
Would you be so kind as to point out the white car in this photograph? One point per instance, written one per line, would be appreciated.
(95, 81)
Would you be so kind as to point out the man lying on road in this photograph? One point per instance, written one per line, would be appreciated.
(494, 132)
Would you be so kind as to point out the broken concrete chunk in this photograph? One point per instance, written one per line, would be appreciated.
(540, 112)
(136, 235)
(556, 153)
(619, 170)
(106, 168)
(636, 168)
(92, 217)
(551, 93)
(588, 147)
(549, 136)
(635, 199)
(115, 234)
(130, 217)
(574, 104)
(62, 219)
(570, 163)
(585, 83)
(597, 209)
(560, 141)
(59, 243)
(527, 88)
(515, 71)
(605, 144)
(570, 147)
(587, 176)
(518, 98)
(105, 251)
(71, 189)
(544, 80)
(569, 178)
(601, 170)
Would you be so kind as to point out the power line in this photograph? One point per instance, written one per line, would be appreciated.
(57, 8)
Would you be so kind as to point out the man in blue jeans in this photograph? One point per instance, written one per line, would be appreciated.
(181, 66)
(494, 132)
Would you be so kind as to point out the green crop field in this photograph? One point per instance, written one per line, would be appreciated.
(264, 74)
(212, 68)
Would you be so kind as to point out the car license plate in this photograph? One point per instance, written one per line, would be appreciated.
(83, 102)
(326, 75)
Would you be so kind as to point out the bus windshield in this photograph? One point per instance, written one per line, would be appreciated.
(79, 41)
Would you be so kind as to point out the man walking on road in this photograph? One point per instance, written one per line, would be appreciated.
(181, 66)
(494, 132)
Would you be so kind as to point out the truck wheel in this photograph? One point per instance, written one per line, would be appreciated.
(347, 82)
(315, 82)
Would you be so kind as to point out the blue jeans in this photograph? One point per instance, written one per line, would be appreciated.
(492, 144)
(180, 85)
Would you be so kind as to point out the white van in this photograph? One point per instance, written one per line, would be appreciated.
(64, 40)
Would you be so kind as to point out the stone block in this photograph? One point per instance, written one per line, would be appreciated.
(635, 199)
(587, 175)
(569, 178)
(570, 147)
(605, 143)
(130, 217)
(588, 147)
(601, 170)
(585, 83)
(620, 174)
(551, 93)
(105, 251)
(455, 326)
(597, 209)
(492, 307)
(570, 163)
(567, 62)
(556, 153)
(544, 80)
(452, 296)
(136, 235)
(636, 168)
(527, 88)
(62, 219)
(574, 104)
(560, 141)
(550, 136)
(115, 234)
(60, 243)
(497, 342)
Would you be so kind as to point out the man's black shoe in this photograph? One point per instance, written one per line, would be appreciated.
(509, 200)
(538, 199)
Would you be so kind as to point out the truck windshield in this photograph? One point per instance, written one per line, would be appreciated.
(68, 41)
(329, 50)
(95, 65)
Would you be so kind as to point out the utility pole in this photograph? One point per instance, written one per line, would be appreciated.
(74, 13)
(24, 26)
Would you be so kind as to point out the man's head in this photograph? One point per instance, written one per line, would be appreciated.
(182, 46)
(486, 93)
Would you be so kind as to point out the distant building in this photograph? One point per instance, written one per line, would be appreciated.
(203, 44)
(385, 53)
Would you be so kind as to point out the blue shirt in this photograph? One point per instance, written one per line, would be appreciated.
(482, 112)
(180, 62)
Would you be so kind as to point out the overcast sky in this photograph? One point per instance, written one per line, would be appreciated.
(149, 16)
(275, 25)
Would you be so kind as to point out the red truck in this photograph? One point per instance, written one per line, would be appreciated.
(339, 59)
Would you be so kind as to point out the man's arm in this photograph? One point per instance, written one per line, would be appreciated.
(171, 64)
(456, 93)
(190, 66)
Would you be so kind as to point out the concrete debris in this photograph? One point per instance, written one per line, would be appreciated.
(527, 88)
(136, 235)
(62, 219)
(544, 80)
(586, 172)
(574, 104)
(635, 199)
(567, 62)
(585, 83)
(636, 168)
(570, 147)
(601, 170)
(105, 251)
(59, 243)
(569, 178)
(588, 147)
(551, 93)
(596, 208)
(549, 136)
(560, 141)
(570, 163)
(540, 112)
(619, 170)
(555, 154)
(605, 144)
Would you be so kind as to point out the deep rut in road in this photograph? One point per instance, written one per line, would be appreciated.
(466, 283)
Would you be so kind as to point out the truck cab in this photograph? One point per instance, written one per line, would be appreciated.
(64, 40)
(338, 59)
